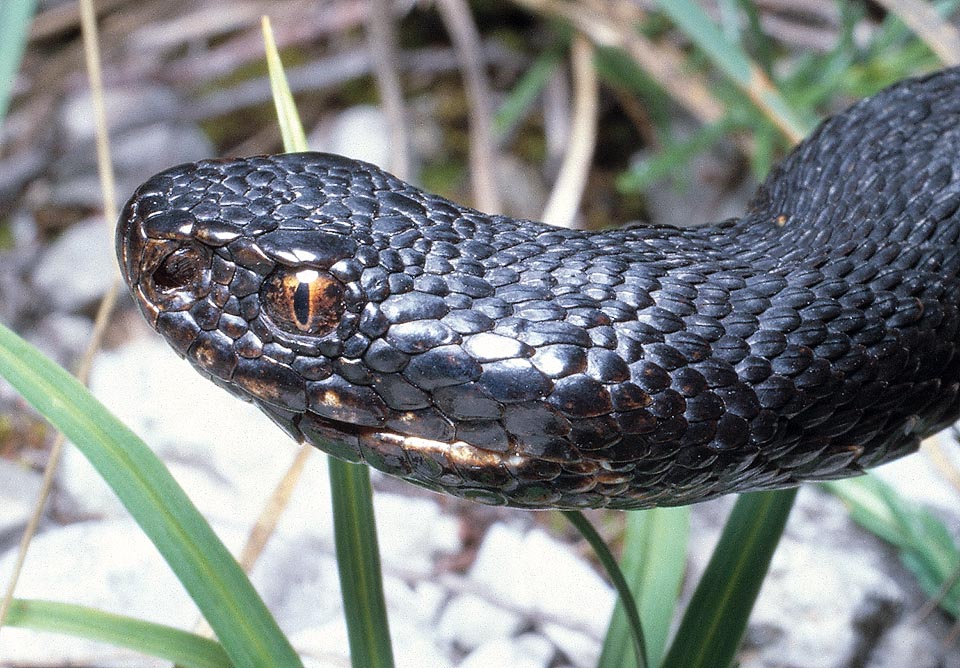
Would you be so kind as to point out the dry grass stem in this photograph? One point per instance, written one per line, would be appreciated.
(269, 517)
(382, 43)
(466, 42)
(663, 62)
(568, 189)
(922, 18)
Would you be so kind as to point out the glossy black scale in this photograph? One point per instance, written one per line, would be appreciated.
(509, 362)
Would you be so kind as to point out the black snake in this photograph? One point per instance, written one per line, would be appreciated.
(511, 362)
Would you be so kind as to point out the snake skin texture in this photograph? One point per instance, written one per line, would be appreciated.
(510, 362)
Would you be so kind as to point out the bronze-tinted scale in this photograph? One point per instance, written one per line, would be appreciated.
(510, 362)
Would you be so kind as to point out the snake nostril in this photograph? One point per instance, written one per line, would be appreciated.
(181, 269)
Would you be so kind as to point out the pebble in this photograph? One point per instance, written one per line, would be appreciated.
(918, 478)
(61, 336)
(107, 565)
(19, 489)
(469, 621)
(822, 610)
(913, 645)
(125, 108)
(144, 141)
(78, 266)
(224, 452)
(526, 651)
(361, 132)
(832, 594)
(544, 577)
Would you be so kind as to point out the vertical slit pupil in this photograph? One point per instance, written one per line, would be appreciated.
(301, 305)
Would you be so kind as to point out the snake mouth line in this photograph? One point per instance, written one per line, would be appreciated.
(397, 453)
(458, 453)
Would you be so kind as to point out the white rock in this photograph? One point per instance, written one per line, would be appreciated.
(543, 576)
(226, 454)
(107, 565)
(125, 107)
(19, 489)
(908, 644)
(582, 649)
(818, 593)
(299, 581)
(469, 621)
(360, 132)
(61, 336)
(498, 567)
(564, 585)
(918, 479)
(416, 604)
(78, 267)
(413, 532)
(414, 646)
(328, 646)
(229, 457)
(527, 651)
(325, 646)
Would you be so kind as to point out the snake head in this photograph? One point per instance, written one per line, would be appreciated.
(251, 278)
(356, 311)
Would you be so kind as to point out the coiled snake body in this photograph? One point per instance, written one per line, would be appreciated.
(511, 362)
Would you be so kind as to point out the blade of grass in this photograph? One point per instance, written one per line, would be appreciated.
(165, 642)
(525, 93)
(291, 129)
(625, 597)
(716, 616)
(15, 17)
(736, 64)
(670, 160)
(206, 568)
(653, 561)
(355, 534)
(924, 20)
(926, 547)
(358, 558)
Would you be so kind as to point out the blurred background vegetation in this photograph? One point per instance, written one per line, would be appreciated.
(691, 94)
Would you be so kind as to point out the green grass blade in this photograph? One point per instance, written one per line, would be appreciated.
(655, 543)
(736, 64)
(355, 534)
(926, 546)
(525, 93)
(358, 558)
(670, 161)
(165, 642)
(716, 616)
(291, 129)
(609, 564)
(207, 570)
(15, 17)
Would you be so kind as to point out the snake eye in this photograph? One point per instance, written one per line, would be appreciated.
(181, 269)
(304, 301)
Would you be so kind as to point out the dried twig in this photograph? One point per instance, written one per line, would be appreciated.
(466, 41)
(567, 191)
(921, 17)
(382, 43)
(663, 62)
